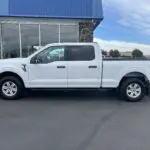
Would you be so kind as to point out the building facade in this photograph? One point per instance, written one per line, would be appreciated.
(27, 24)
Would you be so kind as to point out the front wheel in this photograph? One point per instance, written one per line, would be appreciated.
(132, 90)
(11, 88)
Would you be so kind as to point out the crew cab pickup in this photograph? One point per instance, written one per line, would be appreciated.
(73, 66)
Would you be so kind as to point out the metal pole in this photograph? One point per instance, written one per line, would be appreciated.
(20, 40)
(1, 41)
(59, 33)
(39, 35)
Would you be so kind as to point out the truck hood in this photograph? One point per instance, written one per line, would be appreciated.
(14, 60)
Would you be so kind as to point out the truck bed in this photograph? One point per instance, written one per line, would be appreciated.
(114, 70)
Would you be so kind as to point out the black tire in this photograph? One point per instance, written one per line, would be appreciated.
(18, 83)
(124, 87)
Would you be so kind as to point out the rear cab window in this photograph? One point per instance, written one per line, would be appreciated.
(80, 53)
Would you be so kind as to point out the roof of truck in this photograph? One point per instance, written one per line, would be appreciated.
(75, 43)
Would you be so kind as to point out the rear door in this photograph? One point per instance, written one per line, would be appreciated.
(83, 67)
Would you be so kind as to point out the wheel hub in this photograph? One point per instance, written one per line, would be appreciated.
(9, 88)
(134, 90)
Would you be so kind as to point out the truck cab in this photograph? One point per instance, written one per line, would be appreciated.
(66, 66)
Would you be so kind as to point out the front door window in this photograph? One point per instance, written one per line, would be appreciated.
(50, 55)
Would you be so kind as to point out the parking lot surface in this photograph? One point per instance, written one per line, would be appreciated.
(74, 121)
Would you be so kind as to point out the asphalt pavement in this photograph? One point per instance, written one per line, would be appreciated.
(74, 121)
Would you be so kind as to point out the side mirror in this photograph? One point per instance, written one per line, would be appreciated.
(35, 60)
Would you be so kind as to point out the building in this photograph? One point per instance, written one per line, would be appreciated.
(126, 54)
(25, 24)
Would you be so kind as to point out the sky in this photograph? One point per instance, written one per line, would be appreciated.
(126, 25)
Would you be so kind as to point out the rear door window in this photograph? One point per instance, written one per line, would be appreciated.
(80, 53)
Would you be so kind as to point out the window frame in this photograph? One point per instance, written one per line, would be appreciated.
(67, 52)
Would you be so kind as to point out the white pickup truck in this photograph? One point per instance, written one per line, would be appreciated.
(73, 66)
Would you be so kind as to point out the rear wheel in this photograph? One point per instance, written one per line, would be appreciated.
(11, 88)
(132, 90)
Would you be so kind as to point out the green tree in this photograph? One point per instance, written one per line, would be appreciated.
(111, 53)
(114, 53)
(137, 54)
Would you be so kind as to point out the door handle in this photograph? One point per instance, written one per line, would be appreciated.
(92, 67)
(61, 67)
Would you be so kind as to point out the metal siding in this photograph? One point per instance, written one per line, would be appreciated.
(56, 8)
(97, 9)
(4, 7)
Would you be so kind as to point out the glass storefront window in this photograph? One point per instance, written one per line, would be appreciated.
(0, 41)
(49, 34)
(69, 33)
(29, 38)
(10, 40)
(21, 40)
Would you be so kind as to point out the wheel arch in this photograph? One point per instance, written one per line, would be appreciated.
(135, 74)
(10, 73)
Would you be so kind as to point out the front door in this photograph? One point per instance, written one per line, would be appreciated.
(48, 69)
